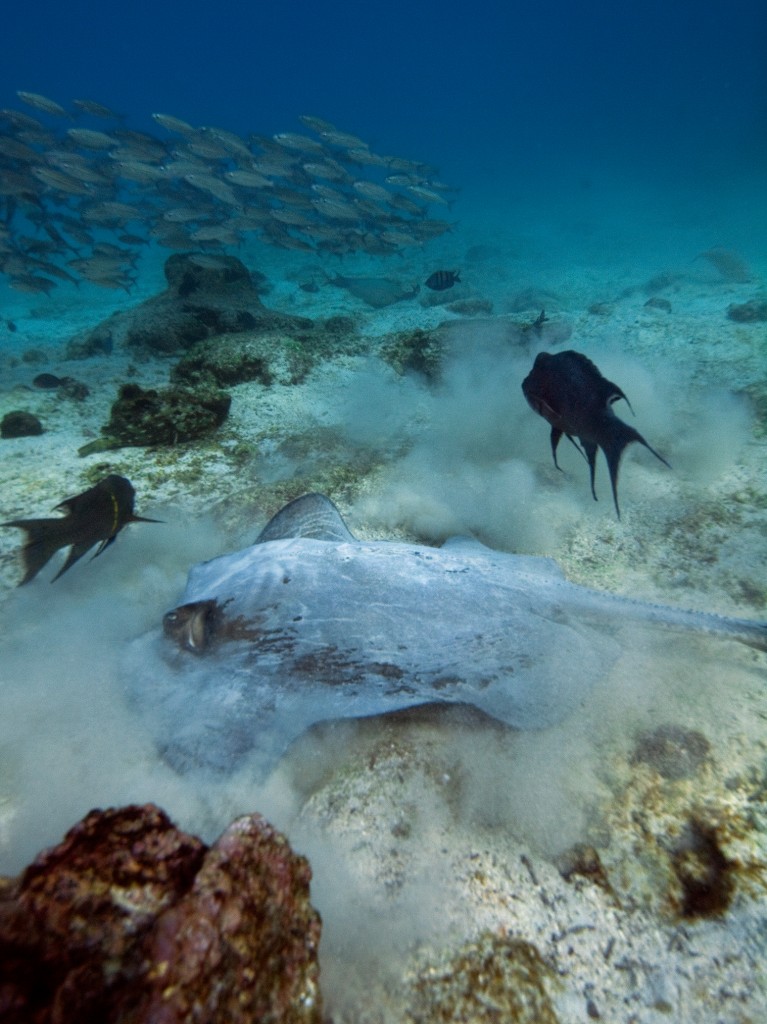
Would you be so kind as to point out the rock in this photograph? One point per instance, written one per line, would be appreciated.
(600, 309)
(705, 875)
(415, 351)
(206, 296)
(86, 904)
(495, 978)
(658, 302)
(237, 358)
(751, 312)
(242, 944)
(268, 357)
(20, 423)
(131, 920)
(140, 417)
(470, 307)
(423, 351)
(582, 861)
(672, 751)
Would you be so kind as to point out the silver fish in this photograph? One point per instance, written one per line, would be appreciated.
(34, 99)
(174, 124)
(88, 138)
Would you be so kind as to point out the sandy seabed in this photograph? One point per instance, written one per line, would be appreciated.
(425, 831)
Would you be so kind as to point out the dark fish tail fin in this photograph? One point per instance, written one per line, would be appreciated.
(620, 436)
(44, 538)
(555, 436)
(590, 448)
(76, 552)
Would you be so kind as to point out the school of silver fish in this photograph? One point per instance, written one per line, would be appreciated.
(78, 202)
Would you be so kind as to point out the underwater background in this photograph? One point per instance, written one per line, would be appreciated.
(605, 164)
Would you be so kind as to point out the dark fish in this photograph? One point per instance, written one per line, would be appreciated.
(571, 394)
(540, 321)
(441, 280)
(94, 517)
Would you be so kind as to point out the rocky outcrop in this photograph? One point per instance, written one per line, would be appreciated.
(206, 296)
(129, 920)
(142, 417)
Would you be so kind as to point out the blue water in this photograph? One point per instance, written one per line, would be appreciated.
(499, 93)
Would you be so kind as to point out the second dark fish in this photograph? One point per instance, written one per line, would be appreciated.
(441, 280)
(570, 393)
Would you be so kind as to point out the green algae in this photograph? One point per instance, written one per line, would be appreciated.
(147, 417)
(417, 351)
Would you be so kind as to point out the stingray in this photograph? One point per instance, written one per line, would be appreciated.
(309, 624)
(570, 393)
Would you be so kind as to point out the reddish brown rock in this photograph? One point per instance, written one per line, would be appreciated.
(247, 919)
(130, 920)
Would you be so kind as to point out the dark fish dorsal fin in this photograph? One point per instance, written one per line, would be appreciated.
(311, 515)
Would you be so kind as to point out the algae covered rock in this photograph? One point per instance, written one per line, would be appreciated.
(236, 359)
(20, 423)
(207, 295)
(148, 417)
(130, 919)
(417, 351)
(494, 978)
(751, 312)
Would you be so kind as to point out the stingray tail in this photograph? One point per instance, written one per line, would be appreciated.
(44, 538)
(620, 436)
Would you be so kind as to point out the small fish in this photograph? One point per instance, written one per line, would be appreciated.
(570, 393)
(302, 143)
(96, 110)
(89, 138)
(441, 280)
(174, 124)
(34, 99)
(94, 517)
(214, 186)
(31, 283)
(248, 179)
(537, 324)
